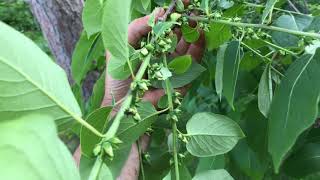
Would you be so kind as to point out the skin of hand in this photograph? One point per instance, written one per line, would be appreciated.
(117, 89)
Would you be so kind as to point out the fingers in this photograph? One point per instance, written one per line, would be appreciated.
(196, 49)
(153, 96)
(139, 27)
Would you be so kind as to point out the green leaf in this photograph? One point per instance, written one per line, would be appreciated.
(229, 56)
(86, 51)
(217, 35)
(219, 174)
(291, 22)
(265, 91)
(120, 157)
(268, 9)
(210, 163)
(30, 82)
(145, 4)
(297, 97)
(190, 34)
(30, 145)
(100, 171)
(97, 93)
(92, 16)
(304, 162)
(180, 80)
(183, 172)
(314, 25)
(115, 22)
(85, 167)
(183, 79)
(250, 61)
(219, 70)
(180, 64)
(130, 130)
(121, 71)
(161, 27)
(248, 162)
(225, 4)
(98, 120)
(212, 134)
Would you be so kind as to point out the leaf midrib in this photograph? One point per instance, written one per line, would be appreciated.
(291, 91)
(2, 59)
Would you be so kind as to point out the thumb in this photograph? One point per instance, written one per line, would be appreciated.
(139, 27)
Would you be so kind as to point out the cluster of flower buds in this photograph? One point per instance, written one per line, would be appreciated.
(140, 86)
(154, 71)
(173, 115)
(253, 34)
(133, 112)
(146, 49)
(164, 43)
(182, 137)
(107, 147)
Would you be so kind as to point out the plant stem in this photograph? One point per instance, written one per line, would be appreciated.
(263, 57)
(293, 6)
(174, 125)
(278, 9)
(281, 48)
(261, 26)
(126, 104)
(140, 160)
(88, 126)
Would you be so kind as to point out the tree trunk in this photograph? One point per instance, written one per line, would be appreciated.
(60, 22)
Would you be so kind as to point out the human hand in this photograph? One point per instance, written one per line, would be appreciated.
(118, 89)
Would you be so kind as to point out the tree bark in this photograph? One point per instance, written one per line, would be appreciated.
(60, 22)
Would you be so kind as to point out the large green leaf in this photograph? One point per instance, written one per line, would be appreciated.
(304, 162)
(268, 9)
(31, 150)
(180, 80)
(295, 106)
(115, 23)
(265, 92)
(98, 120)
(130, 130)
(219, 70)
(92, 16)
(229, 57)
(30, 82)
(212, 134)
(297, 23)
(217, 35)
(314, 25)
(97, 93)
(190, 34)
(210, 163)
(219, 174)
(180, 64)
(248, 161)
(86, 51)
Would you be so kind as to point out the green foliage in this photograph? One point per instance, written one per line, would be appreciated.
(26, 88)
(212, 134)
(250, 111)
(17, 14)
(31, 145)
(298, 96)
(180, 64)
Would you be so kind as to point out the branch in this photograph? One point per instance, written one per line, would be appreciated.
(261, 26)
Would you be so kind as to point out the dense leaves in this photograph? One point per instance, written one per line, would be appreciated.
(298, 97)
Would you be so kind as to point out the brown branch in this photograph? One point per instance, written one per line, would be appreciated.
(169, 10)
